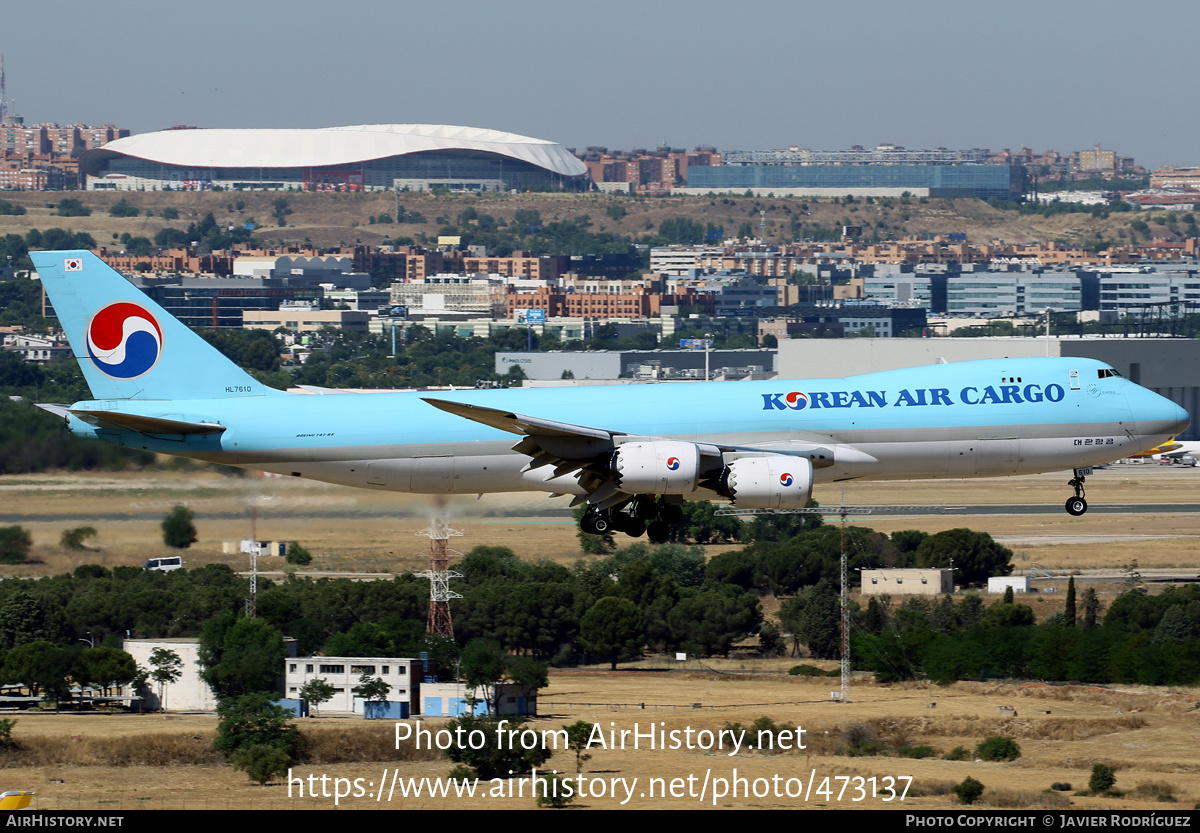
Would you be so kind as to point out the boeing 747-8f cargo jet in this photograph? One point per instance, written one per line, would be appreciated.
(633, 453)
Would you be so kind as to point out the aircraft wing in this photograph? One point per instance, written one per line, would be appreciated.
(519, 423)
(587, 451)
(569, 448)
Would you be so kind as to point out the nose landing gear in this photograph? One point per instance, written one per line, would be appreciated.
(1077, 505)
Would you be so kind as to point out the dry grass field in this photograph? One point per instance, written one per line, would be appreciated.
(358, 530)
(1149, 736)
(345, 219)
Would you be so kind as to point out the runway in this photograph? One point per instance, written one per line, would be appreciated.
(555, 513)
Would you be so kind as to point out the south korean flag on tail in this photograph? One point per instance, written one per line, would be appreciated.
(72, 264)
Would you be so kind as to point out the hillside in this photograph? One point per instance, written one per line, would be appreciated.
(329, 219)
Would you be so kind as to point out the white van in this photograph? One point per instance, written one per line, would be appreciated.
(171, 562)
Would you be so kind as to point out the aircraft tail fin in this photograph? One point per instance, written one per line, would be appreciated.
(127, 346)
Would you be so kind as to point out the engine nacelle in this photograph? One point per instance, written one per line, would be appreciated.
(771, 482)
(657, 468)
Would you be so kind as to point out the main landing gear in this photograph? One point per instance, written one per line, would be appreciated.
(643, 515)
(1076, 505)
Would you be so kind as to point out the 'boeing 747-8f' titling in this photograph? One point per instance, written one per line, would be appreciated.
(633, 453)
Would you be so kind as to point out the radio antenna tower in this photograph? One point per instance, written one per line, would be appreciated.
(439, 575)
(3, 96)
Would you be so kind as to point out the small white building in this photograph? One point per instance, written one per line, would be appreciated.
(39, 349)
(998, 584)
(910, 581)
(343, 673)
(189, 692)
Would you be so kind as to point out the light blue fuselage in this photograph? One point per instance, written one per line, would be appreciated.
(966, 419)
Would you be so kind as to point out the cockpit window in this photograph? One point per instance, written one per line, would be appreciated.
(1106, 372)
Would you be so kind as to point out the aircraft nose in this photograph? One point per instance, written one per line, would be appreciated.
(1167, 416)
(1180, 417)
(1156, 416)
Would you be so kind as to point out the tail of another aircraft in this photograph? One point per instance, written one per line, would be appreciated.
(127, 345)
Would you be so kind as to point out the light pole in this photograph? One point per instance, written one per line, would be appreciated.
(707, 345)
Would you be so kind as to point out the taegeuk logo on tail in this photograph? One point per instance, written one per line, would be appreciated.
(124, 341)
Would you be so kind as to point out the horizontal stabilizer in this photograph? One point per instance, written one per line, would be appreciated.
(144, 424)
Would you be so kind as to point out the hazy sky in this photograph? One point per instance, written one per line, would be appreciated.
(1061, 74)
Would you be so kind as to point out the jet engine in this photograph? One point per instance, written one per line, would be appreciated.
(657, 468)
(773, 481)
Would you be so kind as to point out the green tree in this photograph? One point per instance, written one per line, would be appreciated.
(30, 664)
(701, 525)
(107, 667)
(1069, 610)
(1008, 616)
(998, 748)
(578, 735)
(165, 667)
(26, 617)
(556, 792)
(1103, 779)
(969, 790)
(71, 207)
(613, 628)
(178, 530)
(1091, 608)
(73, 539)
(240, 656)
(483, 666)
(253, 720)
(122, 208)
(975, 555)
(529, 675)
(813, 617)
(969, 612)
(372, 688)
(315, 692)
(15, 542)
(709, 622)
(261, 763)
(495, 757)
(281, 211)
(297, 554)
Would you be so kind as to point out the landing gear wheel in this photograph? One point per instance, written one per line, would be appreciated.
(670, 513)
(1077, 505)
(619, 521)
(595, 523)
(659, 532)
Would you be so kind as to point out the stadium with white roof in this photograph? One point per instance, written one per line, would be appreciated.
(365, 157)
